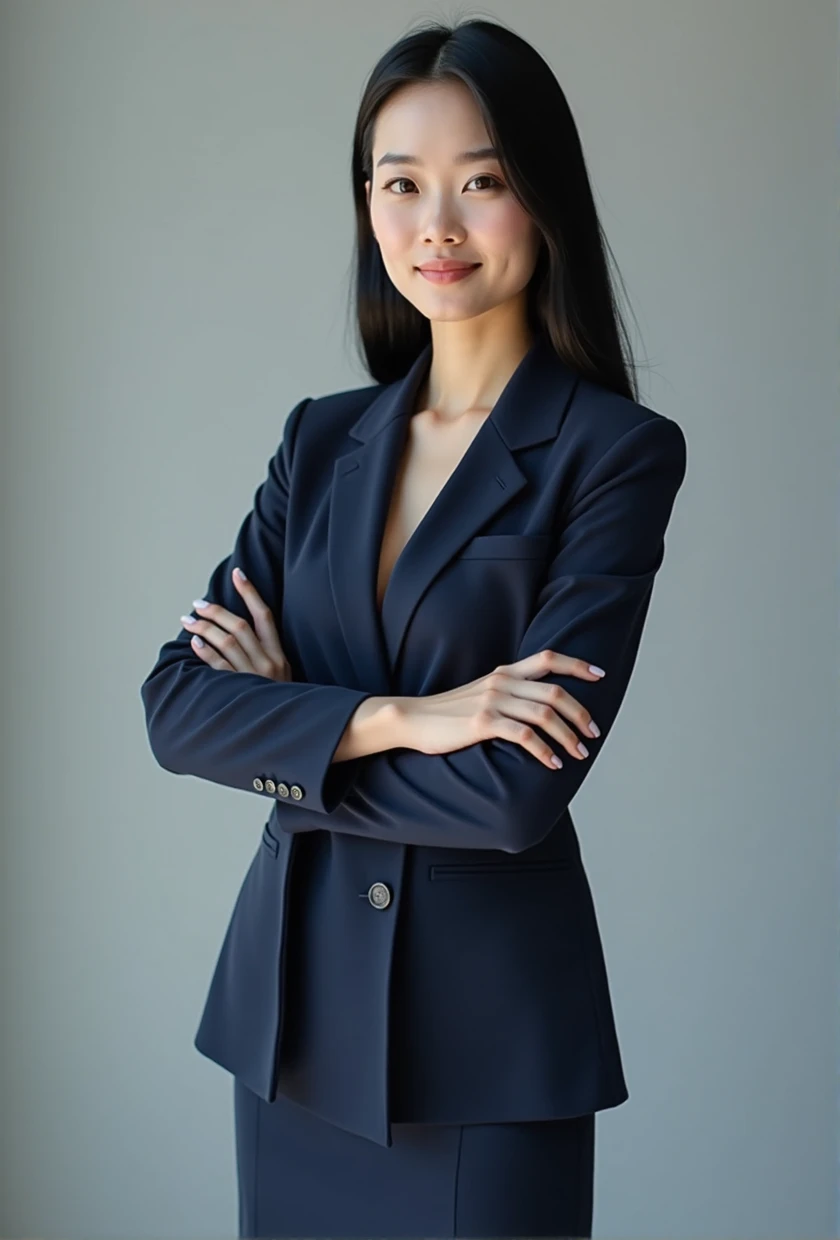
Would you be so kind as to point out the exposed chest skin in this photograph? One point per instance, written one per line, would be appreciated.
(433, 449)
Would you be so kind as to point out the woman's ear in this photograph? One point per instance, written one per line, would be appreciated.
(367, 199)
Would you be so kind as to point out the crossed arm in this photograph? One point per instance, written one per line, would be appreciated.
(490, 795)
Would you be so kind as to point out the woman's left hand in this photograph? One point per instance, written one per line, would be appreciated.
(227, 642)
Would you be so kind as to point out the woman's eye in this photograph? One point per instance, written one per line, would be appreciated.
(485, 176)
(399, 181)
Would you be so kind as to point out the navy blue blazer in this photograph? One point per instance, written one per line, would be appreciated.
(447, 960)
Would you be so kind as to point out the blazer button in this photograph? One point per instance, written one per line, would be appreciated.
(379, 895)
(270, 785)
(297, 792)
(258, 784)
(282, 790)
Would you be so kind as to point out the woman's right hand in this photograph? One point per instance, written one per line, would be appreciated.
(508, 703)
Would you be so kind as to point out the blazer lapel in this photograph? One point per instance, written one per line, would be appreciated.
(528, 411)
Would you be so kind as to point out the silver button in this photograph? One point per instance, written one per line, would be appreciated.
(270, 785)
(258, 784)
(297, 792)
(282, 790)
(379, 895)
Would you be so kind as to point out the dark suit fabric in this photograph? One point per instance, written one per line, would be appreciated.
(478, 993)
(298, 1175)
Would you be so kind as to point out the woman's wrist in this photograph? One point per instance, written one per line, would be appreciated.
(377, 724)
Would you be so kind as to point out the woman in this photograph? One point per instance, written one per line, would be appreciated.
(446, 576)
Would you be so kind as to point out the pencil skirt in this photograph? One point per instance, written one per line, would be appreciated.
(298, 1175)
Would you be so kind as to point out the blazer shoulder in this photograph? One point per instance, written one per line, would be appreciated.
(335, 412)
(608, 415)
(603, 429)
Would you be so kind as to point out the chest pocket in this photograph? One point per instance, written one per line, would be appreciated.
(474, 614)
(507, 547)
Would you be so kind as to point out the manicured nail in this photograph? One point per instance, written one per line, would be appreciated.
(596, 671)
(240, 574)
(199, 641)
(188, 619)
(582, 748)
(200, 602)
(594, 729)
(556, 761)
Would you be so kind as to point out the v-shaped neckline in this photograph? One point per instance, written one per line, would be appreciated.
(397, 454)
(396, 451)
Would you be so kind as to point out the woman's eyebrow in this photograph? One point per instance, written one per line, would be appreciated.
(466, 157)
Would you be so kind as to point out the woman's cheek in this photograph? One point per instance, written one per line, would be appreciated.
(394, 233)
(508, 228)
(513, 238)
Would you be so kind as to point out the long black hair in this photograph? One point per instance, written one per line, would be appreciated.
(570, 296)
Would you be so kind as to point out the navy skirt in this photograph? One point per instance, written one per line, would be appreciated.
(301, 1176)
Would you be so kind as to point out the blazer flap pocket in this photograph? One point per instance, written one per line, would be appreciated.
(507, 547)
(468, 869)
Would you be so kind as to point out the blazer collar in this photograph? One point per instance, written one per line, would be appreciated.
(529, 410)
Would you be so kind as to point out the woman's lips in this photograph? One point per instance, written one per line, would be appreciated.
(448, 277)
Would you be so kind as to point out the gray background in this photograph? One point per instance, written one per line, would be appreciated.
(175, 238)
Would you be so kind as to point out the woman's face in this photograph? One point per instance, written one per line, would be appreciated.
(432, 203)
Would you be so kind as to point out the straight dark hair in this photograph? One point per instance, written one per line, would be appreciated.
(570, 296)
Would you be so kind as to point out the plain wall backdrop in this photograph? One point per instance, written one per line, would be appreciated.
(175, 242)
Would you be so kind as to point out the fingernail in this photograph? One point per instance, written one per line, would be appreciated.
(556, 760)
(597, 671)
(199, 602)
(199, 641)
(240, 574)
(188, 619)
(582, 748)
(594, 729)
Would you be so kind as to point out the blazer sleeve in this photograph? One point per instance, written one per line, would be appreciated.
(592, 605)
(233, 727)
